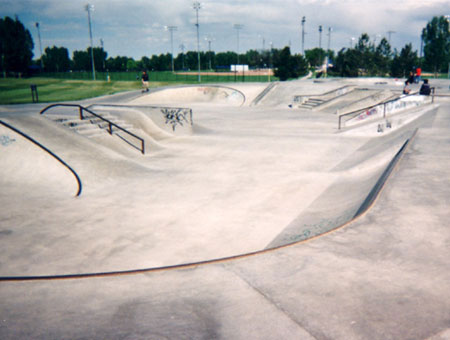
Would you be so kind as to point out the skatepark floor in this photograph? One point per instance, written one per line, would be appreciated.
(247, 179)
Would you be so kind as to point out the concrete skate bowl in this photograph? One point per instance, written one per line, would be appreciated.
(34, 169)
(179, 96)
(355, 183)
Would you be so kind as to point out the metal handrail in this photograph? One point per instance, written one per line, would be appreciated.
(110, 124)
(384, 106)
(48, 151)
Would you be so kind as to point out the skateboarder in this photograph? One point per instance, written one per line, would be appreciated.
(144, 82)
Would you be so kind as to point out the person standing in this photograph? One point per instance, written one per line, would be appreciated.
(144, 79)
(418, 75)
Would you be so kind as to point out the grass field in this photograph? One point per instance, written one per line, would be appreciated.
(18, 91)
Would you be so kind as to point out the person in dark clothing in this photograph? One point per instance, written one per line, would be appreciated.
(425, 89)
(144, 81)
(411, 77)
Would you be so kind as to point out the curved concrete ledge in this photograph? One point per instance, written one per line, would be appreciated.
(211, 94)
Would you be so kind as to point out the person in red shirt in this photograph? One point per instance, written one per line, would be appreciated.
(418, 75)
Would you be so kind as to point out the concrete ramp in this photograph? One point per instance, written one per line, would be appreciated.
(27, 167)
(218, 95)
(159, 122)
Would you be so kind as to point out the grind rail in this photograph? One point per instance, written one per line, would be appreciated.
(110, 124)
(383, 105)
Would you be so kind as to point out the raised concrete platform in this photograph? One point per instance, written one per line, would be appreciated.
(248, 173)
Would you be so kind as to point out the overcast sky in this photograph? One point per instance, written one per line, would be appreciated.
(136, 28)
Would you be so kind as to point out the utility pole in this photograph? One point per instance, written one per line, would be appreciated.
(40, 45)
(197, 6)
(303, 35)
(88, 9)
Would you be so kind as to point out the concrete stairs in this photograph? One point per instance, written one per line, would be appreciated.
(311, 103)
(91, 126)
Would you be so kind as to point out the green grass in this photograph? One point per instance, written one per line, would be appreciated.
(57, 88)
(18, 91)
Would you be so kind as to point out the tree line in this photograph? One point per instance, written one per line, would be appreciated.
(366, 58)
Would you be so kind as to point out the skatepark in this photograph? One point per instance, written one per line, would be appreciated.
(311, 209)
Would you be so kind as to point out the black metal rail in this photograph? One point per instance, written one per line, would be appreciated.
(47, 150)
(110, 124)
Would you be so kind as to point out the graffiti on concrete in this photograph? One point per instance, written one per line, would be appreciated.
(6, 140)
(175, 117)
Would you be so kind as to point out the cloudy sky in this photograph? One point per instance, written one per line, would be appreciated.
(136, 28)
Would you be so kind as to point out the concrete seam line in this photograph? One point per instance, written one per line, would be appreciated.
(269, 300)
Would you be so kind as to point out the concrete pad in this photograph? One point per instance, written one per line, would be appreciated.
(234, 186)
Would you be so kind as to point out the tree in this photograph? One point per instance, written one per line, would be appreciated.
(288, 66)
(16, 46)
(382, 58)
(81, 61)
(436, 38)
(405, 62)
(347, 63)
(56, 59)
(316, 56)
(99, 58)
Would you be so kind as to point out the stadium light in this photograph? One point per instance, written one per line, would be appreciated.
(90, 8)
(40, 45)
(197, 7)
(171, 29)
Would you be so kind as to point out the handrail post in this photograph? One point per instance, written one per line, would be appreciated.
(384, 110)
(143, 147)
(80, 108)
(339, 126)
(110, 128)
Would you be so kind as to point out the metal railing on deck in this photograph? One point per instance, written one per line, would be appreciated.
(383, 104)
(110, 124)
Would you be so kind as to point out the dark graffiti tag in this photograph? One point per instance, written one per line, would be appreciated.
(6, 140)
(175, 117)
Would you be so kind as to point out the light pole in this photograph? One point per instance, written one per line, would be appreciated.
(103, 51)
(329, 37)
(197, 6)
(352, 39)
(303, 35)
(238, 27)
(182, 55)
(40, 45)
(208, 39)
(320, 36)
(263, 43)
(90, 8)
(171, 29)
(389, 36)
